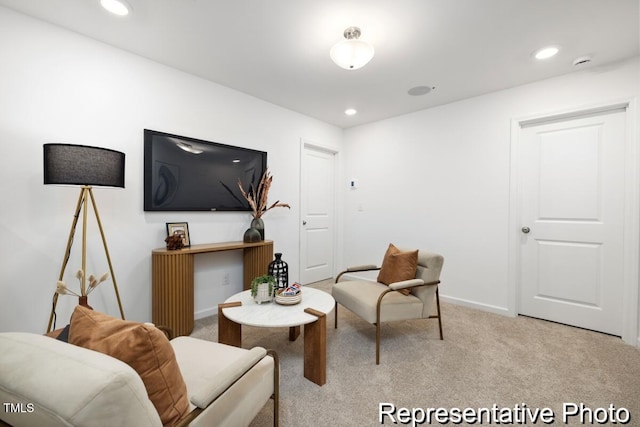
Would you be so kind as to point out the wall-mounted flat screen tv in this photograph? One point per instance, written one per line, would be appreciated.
(188, 174)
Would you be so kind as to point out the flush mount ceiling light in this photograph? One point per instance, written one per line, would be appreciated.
(546, 52)
(117, 7)
(351, 53)
(350, 111)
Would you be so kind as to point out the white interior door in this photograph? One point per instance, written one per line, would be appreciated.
(572, 241)
(317, 207)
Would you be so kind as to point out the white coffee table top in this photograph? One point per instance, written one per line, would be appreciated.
(274, 315)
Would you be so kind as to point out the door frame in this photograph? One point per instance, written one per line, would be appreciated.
(631, 244)
(337, 221)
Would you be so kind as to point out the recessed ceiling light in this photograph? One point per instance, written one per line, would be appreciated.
(236, 160)
(420, 90)
(350, 111)
(117, 7)
(547, 52)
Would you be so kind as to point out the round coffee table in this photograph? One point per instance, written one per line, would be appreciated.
(240, 309)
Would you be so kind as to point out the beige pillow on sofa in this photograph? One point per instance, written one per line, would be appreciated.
(143, 347)
(398, 266)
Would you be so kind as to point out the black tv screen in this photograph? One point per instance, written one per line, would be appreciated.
(187, 174)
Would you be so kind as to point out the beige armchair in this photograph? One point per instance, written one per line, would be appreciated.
(358, 290)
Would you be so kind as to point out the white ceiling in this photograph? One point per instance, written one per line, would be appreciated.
(278, 50)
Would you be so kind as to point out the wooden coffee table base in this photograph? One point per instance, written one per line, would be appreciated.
(229, 332)
(315, 348)
(315, 340)
(294, 333)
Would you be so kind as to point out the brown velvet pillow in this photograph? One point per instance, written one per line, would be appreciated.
(398, 266)
(143, 347)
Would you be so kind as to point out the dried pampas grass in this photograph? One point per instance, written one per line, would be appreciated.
(257, 198)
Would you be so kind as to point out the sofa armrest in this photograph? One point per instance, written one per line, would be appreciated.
(365, 267)
(406, 284)
(355, 268)
(207, 393)
(412, 283)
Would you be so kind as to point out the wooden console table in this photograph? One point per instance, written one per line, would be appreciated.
(172, 279)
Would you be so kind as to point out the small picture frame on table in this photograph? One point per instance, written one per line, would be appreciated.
(180, 228)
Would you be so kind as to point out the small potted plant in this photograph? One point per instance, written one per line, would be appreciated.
(262, 288)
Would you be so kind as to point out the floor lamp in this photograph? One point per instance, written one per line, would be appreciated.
(85, 166)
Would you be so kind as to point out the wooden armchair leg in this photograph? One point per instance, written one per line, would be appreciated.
(378, 343)
(378, 322)
(439, 314)
(276, 387)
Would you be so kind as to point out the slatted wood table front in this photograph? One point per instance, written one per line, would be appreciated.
(173, 276)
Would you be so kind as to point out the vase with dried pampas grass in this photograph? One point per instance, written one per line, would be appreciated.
(257, 198)
(62, 289)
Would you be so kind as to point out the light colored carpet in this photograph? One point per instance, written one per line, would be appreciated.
(485, 359)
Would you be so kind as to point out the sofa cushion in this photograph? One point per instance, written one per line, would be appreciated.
(143, 347)
(398, 266)
(361, 297)
(205, 364)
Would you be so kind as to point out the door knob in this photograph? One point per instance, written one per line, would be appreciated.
(304, 222)
(526, 230)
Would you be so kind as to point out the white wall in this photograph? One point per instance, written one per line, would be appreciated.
(442, 174)
(56, 86)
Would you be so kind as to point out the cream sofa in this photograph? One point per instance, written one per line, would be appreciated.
(47, 382)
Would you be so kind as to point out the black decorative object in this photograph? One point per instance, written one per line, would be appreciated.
(251, 236)
(280, 271)
(258, 224)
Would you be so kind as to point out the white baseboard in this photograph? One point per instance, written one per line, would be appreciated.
(201, 314)
(477, 305)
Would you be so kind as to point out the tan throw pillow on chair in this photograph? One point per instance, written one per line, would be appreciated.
(398, 266)
(143, 347)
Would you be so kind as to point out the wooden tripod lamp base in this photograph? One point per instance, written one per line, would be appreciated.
(86, 193)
